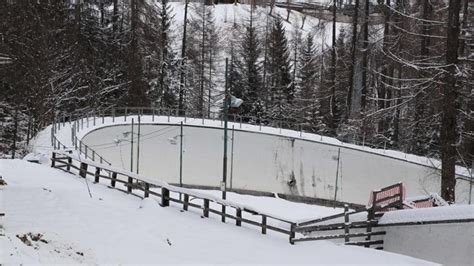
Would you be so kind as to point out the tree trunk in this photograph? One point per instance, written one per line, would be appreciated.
(332, 125)
(181, 106)
(355, 23)
(449, 114)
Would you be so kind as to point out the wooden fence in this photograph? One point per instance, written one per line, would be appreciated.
(387, 198)
(72, 164)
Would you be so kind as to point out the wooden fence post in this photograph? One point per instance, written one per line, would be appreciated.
(223, 213)
(401, 196)
(97, 175)
(53, 159)
(346, 223)
(186, 201)
(114, 177)
(205, 210)
(371, 216)
(83, 170)
(238, 219)
(165, 197)
(69, 163)
(264, 224)
(129, 184)
(292, 233)
(147, 190)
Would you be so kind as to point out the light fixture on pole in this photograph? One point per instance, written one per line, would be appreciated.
(234, 102)
(131, 133)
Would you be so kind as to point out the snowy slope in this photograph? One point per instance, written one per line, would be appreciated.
(226, 14)
(112, 227)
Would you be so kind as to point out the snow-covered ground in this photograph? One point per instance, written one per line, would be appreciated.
(60, 222)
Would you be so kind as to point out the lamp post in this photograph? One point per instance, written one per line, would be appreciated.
(229, 102)
(132, 134)
(174, 141)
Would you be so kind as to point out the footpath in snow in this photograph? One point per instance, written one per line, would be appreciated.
(51, 218)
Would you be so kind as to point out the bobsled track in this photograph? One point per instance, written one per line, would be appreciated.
(261, 159)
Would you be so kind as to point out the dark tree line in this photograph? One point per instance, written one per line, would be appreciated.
(404, 83)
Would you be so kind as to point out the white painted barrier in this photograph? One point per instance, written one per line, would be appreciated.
(448, 244)
(264, 162)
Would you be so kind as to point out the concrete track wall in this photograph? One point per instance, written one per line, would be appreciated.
(263, 162)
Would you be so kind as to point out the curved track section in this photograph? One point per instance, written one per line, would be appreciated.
(260, 159)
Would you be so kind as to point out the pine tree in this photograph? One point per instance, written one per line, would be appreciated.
(308, 76)
(250, 51)
(168, 65)
(280, 89)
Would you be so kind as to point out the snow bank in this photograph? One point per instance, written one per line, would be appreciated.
(452, 212)
(113, 227)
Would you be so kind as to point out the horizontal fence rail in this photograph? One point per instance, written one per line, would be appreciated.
(182, 196)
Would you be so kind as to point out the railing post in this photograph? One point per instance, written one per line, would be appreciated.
(113, 179)
(129, 183)
(223, 213)
(113, 115)
(153, 115)
(264, 224)
(85, 150)
(93, 114)
(69, 163)
(292, 233)
(205, 211)
(346, 223)
(370, 216)
(238, 218)
(83, 170)
(53, 159)
(147, 190)
(186, 201)
(97, 175)
(93, 155)
(165, 197)
(125, 116)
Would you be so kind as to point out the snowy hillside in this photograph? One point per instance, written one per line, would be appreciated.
(228, 14)
(52, 219)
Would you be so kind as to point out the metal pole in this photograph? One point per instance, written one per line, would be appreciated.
(470, 182)
(224, 165)
(232, 159)
(181, 155)
(131, 149)
(337, 175)
(138, 144)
